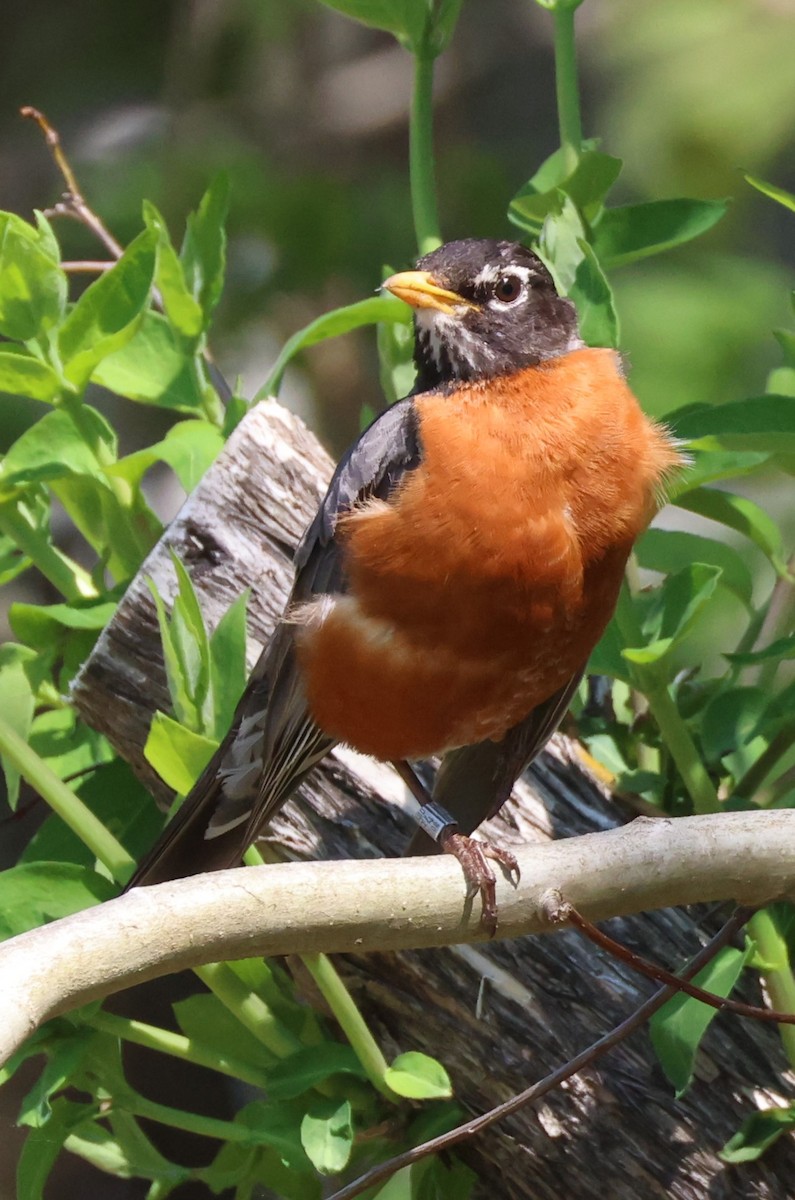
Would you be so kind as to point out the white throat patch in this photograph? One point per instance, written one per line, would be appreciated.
(449, 343)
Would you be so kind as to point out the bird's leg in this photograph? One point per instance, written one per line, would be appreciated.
(442, 827)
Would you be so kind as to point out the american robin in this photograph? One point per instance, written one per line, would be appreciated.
(462, 566)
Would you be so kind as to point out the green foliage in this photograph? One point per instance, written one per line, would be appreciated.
(721, 707)
(678, 1028)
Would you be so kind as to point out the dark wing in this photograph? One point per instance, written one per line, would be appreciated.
(273, 742)
(474, 782)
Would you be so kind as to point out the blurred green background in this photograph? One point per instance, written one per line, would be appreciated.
(307, 112)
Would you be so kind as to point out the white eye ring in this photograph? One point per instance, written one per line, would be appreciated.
(508, 289)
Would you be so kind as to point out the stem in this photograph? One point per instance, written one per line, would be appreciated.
(177, 1118)
(673, 729)
(249, 1008)
(776, 973)
(71, 580)
(566, 84)
(747, 786)
(681, 746)
(421, 166)
(152, 1037)
(341, 1003)
(63, 801)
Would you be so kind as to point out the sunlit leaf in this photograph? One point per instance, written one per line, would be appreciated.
(33, 286)
(177, 754)
(771, 191)
(23, 375)
(327, 1134)
(417, 1076)
(109, 311)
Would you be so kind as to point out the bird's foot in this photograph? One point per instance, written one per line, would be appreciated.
(473, 857)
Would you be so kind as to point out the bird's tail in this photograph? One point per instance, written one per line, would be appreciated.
(183, 848)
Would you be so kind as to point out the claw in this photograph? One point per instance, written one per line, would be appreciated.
(479, 876)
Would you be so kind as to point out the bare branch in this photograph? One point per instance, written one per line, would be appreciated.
(73, 203)
(382, 904)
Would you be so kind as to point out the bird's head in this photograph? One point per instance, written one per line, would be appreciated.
(483, 308)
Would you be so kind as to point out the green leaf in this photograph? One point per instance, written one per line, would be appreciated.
(446, 14)
(306, 1068)
(738, 513)
(41, 625)
(126, 1152)
(771, 191)
(757, 1133)
(679, 1026)
(54, 447)
(33, 286)
(12, 560)
(404, 18)
(560, 245)
(152, 368)
(730, 720)
(710, 466)
(764, 424)
(327, 1135)
(672, 610)
(278, 1126)
(333, 324)
(400, 1186)
(178, 689)
(665, 550)
(17, 703)
(203, 254)
(178, 755)
(228, 669)
(64, 1056)
(593, 299)
(586, 186)
(189, 448)
(418, 1077)
(68, 746)
(43, 1145)
(182, 308)
(782, 648)
(34, 893)
(192, 647)
(395, 342)
(114, 794)
(607, 657)
(634, 231)
(23, 375)
(205, 1020)
(109, 311)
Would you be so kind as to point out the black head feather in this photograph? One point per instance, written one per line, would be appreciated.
(510, 315)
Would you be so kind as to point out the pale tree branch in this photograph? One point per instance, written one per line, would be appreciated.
(382, 905)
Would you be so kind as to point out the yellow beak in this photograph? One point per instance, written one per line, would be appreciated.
(420, 290)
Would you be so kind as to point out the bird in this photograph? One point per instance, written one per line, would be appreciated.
(459, 571)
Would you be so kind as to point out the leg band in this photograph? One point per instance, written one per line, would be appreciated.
(434, 820)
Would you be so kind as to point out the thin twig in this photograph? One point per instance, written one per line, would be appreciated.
(462, 1132)
(73, 203)
(660, 975)
(87, 267)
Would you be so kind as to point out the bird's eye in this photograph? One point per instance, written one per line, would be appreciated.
(507, 289)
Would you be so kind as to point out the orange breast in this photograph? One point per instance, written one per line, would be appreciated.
(488, 577)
